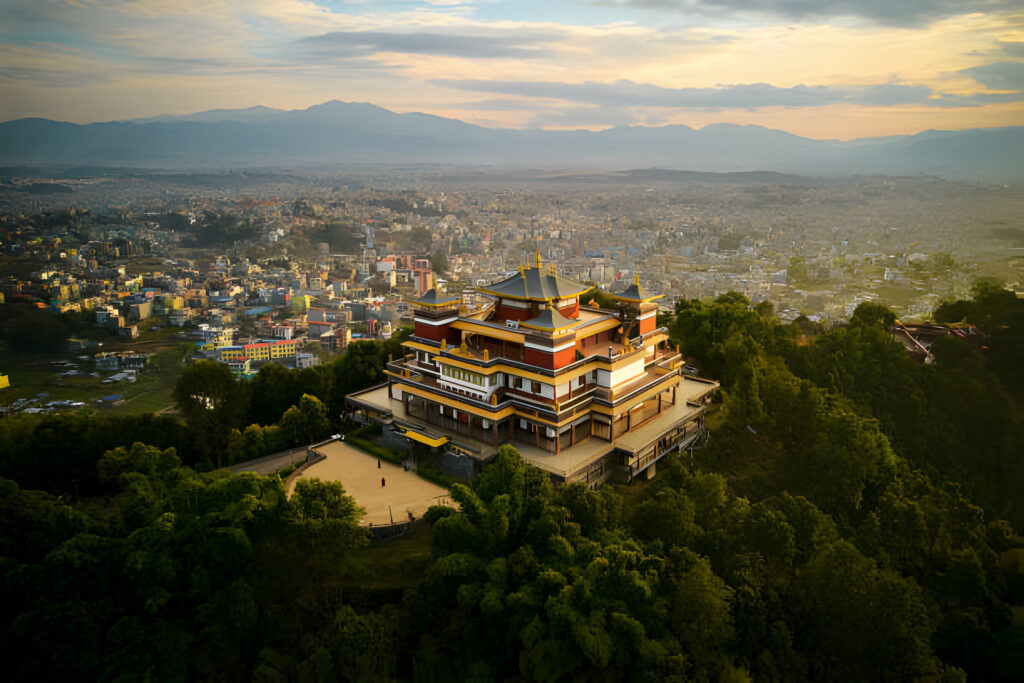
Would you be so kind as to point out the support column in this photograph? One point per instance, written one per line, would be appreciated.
(651, 471)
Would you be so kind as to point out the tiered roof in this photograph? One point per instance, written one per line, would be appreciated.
(433, 299)
(549, 320)
(533, 284)
(635, 293)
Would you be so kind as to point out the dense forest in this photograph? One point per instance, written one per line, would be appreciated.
(852, 517)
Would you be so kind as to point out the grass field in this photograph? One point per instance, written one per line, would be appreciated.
(897, 296)
(33, 374)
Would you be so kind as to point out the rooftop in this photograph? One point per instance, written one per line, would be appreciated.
(534, 284)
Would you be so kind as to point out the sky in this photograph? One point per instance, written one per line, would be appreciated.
(827, 69)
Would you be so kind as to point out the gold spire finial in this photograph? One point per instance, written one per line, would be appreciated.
(636, 279)
(552, 264)
(538, 258)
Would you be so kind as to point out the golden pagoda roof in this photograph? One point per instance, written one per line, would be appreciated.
(635, 293)
(432, 298)
(534, 284)
(549, 320)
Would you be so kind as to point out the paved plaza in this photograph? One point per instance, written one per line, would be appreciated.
(358, 472)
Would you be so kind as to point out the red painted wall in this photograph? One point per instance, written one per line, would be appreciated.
(539, 358)
(565, 357)
(571, 311)
(511, 313)
(551, 361)
(648, 325)
(435, 332)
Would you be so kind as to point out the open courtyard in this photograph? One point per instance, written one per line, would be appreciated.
(403, 492)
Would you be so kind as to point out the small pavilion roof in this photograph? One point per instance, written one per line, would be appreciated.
(534, 284)
(635, 293)
(433, 298)
(549, 320)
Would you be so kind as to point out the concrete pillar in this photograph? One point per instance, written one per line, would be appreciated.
(652, 470)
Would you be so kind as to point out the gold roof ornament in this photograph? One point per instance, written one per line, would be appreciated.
(533, 284)
(635, 293)
(487, 355)
(494, 398)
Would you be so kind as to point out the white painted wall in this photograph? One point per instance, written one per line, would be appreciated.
(627, 372)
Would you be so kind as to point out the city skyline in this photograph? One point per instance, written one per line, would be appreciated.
(833, 70)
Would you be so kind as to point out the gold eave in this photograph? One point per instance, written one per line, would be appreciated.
(524, 412)
(597, 328)
(538, 299)
(519, 372)
(455, 403)
(453, 304)
(486, 331)
(639, 301)
(553, 330)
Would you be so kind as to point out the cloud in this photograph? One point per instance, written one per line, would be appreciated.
(888, 12)
(1011, 48)
(50, 78)
(626, 93)
(999, 75)
(346, 44)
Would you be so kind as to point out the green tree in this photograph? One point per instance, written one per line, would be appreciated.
(213, 403)
(307, 422)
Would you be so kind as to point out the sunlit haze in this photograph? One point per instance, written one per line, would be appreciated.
(830, 69)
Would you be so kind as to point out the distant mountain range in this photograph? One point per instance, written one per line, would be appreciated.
(339, 133)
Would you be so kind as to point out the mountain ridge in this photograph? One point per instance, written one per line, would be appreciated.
(337, 132)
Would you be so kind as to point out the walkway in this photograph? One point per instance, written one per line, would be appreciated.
(269, 464)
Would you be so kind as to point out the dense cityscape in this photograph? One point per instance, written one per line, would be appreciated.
(232, 259)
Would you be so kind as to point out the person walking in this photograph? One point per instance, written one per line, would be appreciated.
(378, 463)
(382, 481)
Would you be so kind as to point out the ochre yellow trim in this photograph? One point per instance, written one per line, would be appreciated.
(547, 329)
(505, 412)
(422, 438)
(421, 347)
(525, 374)
(489, 331)
(638, 301)
(497, 415)
(457, 302)
(654, 391)
(597, 328)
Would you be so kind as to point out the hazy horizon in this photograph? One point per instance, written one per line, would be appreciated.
(829, 70)
(165, 116)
